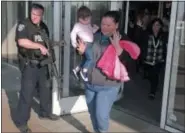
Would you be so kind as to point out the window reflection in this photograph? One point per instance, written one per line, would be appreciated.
(176, 103)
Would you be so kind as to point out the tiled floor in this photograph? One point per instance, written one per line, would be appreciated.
(135, 100)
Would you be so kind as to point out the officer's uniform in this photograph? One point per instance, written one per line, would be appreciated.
(32, 72)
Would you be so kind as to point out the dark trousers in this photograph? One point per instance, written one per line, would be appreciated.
(138, 64)
(152, 73)
(31, 75)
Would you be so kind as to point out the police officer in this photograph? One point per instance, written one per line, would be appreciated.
(31, 51)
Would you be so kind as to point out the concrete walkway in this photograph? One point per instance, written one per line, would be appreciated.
(120, 122)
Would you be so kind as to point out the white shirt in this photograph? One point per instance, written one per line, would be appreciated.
(85, 32)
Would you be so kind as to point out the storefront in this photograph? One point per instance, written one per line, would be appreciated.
(172, 114)
(60, 17)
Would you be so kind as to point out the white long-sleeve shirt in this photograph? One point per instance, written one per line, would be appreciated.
(85, 32)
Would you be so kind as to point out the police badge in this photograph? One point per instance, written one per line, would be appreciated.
(21, 27)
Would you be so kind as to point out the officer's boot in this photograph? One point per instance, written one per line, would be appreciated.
(24, 129)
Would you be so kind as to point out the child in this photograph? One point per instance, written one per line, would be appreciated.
(83, 30)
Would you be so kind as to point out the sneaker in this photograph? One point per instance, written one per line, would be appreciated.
(84, 76)
(24, 129)
(75, 74)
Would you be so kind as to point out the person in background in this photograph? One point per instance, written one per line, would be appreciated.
(143, 20)
(153, 52)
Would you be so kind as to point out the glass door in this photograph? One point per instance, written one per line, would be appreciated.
(71, 99)
(173, 108)
(98, 9)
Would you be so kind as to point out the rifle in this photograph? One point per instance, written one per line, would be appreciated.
(50, 61)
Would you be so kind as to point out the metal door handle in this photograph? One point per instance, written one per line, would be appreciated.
(181, 27)
(182, 35)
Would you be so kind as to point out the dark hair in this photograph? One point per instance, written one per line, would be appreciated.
(113, 14)
(84, 12)
(153, 22)
(37, 6)
(157, 20)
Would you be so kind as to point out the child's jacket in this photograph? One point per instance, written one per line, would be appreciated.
(110, 64)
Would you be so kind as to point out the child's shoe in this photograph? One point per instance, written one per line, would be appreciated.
(84, 75)
(75, 72)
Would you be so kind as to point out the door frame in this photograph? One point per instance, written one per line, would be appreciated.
(168, 69)
(64, 104)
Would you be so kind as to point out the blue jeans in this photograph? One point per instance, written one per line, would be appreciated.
(87, 57)
(99, 101)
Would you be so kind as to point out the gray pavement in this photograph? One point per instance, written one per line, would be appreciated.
(120, 121)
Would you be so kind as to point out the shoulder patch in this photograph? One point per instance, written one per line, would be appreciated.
(21, 27)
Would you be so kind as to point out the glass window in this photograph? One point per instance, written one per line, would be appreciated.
(176, 102)
(12, 11)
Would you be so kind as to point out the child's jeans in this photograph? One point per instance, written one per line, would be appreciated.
(87, 57)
